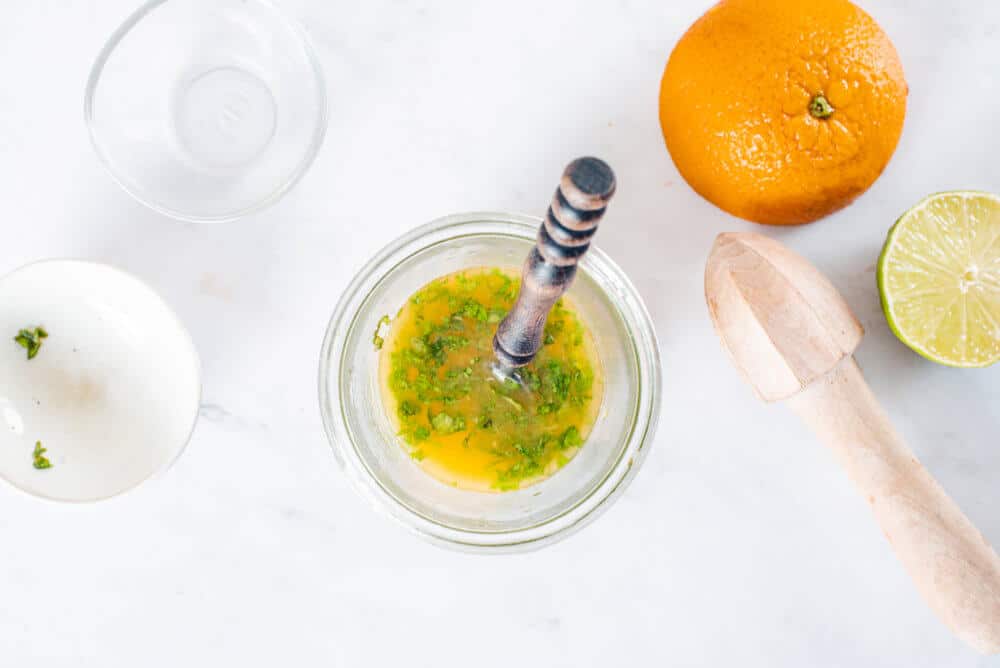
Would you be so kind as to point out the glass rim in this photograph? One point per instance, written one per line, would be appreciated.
(319, 133)
(644, 349)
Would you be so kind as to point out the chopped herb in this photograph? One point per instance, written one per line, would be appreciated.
(553, 330)
(570, 439)
(512, 477)
(31, 340)
(40, 460)
(474, 310)
(377, 339)
(443, 423)
(531, 380)
(447, 424)
(534, 450)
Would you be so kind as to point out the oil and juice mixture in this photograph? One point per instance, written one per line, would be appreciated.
(463, 425)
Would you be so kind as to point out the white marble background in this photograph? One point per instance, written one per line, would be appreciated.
(740, 542)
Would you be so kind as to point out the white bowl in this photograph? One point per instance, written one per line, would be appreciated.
(114, 391)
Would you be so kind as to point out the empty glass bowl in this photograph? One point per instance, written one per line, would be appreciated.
(207, 110)
(369, 450)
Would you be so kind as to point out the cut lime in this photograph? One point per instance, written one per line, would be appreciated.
(939, 278)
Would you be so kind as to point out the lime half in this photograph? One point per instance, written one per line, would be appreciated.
(939, 278)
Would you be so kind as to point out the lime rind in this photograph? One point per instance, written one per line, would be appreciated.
(920, 215)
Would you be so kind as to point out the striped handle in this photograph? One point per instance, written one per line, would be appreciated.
(577, 207)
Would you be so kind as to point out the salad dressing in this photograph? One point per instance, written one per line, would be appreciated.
(454, 417)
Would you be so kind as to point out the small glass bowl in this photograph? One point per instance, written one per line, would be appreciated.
(207, 110)
(367, 447)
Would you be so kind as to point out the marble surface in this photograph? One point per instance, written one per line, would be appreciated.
(740, 542)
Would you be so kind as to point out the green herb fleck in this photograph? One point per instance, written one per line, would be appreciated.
(530, 379)
(474, 310)
(377, 339)
(447, 424)
(31, 340)
(553, 330)
(40, 460)
(512, 477)
(570, 439)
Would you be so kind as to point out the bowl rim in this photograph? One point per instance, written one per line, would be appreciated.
(631, 310)
(319, 133)
(195, 357)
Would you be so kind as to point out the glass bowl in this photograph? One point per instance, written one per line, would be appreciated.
(363, 438)
(206, 110)
(113, 391)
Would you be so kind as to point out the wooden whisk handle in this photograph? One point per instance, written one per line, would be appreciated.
(579, 203)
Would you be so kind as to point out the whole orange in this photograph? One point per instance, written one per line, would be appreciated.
(782, 111)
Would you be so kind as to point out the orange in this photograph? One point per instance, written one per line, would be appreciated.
(782, 111)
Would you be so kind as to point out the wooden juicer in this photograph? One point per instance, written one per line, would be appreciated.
(793, 336)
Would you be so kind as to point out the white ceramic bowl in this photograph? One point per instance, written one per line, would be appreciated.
(114, 391)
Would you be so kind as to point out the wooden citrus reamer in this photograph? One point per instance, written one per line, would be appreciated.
(793, 336)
